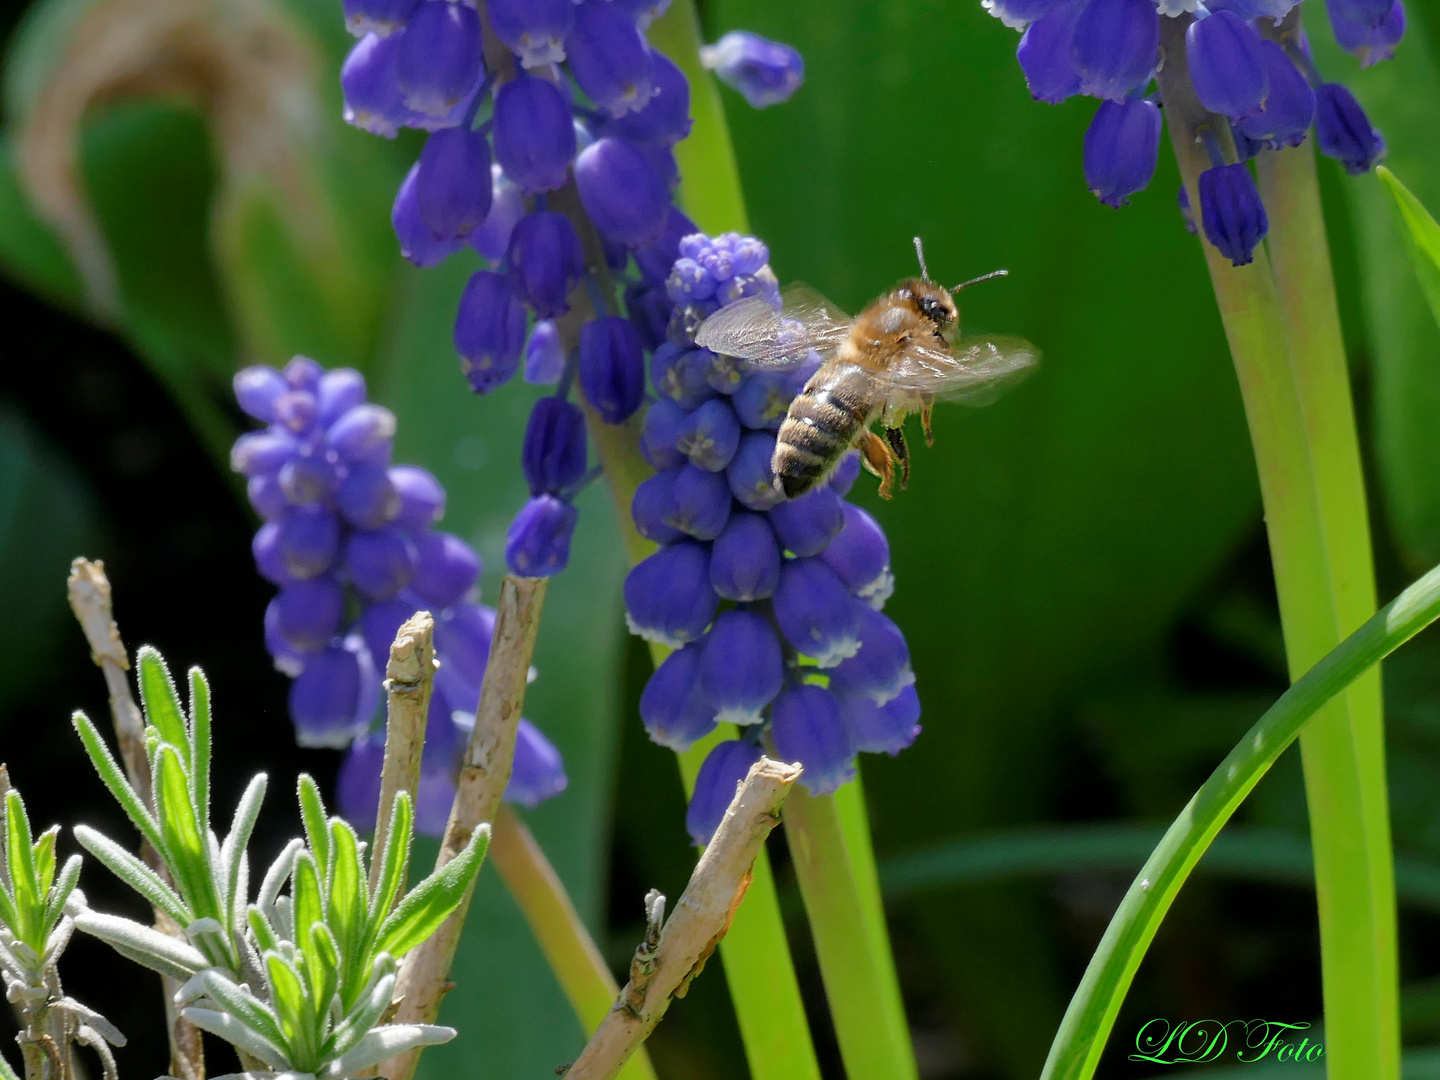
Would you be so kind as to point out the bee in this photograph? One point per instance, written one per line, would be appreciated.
(901, 355)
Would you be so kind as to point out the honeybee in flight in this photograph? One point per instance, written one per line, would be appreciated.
(901, 355)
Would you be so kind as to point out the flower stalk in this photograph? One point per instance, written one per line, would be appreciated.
(1281, 323)
(829, 843)
(570, 951)
(483, 775)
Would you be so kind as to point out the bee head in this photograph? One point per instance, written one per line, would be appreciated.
(933, 302)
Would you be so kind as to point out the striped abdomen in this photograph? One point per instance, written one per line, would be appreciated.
(821, 425)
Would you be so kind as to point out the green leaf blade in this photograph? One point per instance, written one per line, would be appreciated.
(1422, 237)
(430, 903)
(200, 745)
(161, 702)
(114, 779)
(188, 850)
(24, 879)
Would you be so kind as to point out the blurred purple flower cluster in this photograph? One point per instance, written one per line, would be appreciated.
(577, 100)
(1265, 87)
(349, 539)
(773, 606)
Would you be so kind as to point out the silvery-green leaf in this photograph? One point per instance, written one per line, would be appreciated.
(93, 1039)
(114, 779)
(312, 814)
(147, 947)
(383, 1043)
(238, 1034)
(430, 903)
(239, 1002)
(64, 886)
(59, 938)
(275, 877)
(366, 1015)
(134, 873)
(104, 1027)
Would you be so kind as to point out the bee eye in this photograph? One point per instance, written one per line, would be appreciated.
(932, 309)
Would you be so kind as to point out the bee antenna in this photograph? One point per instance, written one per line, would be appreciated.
(982, 277)
(920, 254)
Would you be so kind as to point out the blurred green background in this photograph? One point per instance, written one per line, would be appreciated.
(1082, 569)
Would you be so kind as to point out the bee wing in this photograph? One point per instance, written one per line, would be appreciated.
(769, 340)
(975, 370)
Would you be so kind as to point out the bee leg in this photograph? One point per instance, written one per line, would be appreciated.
(896, 438)
(927, 410)
(876, 455)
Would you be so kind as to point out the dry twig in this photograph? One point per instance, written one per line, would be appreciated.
(484, 773)
(667, 961)
(89, 590)
(409, 676)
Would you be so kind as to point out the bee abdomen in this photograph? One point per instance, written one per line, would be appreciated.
(815, 434)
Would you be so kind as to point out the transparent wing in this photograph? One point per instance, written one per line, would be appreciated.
(769, 340)
(975, 370)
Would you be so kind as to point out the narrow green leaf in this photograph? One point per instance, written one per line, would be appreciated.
(374, 1000)
(6, 1072)
(265, 935)
(239, 1034)
(346, 908)
(232, 852)
(325, 958)
(146, 946)
(114, 778)
(287, 995)
(20, 856)
(1422, 237)
(394, 862)
(44, 851)
(64, 886)
(246, 1006)
(274, 879)
(384, 1042)
(309, 901)
(1080, 1040)
(131, 870)
(430, 903)
(312, 813)
(7, 907)
(200, 745)
(162, 704)
(189, 850)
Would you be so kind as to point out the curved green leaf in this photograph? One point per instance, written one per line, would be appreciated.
(430, 903)
(1075, 1053)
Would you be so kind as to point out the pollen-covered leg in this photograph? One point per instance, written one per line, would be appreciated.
(877, 457)
(895, 436)
(927, 411)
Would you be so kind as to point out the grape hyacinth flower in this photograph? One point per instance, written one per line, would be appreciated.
(764, 72)
(772, 604)
(566, 97)
(349, 540)
(1248, 64)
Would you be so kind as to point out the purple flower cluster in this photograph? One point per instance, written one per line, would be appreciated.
(1265, 87)
(578, 98)
(349, 540)
(773, 606)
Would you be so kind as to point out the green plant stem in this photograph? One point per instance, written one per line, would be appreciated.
(758, 968)
(1364, 921)
(850, 940)
(567, 945)
(1297, 405)
(1091, 1015)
